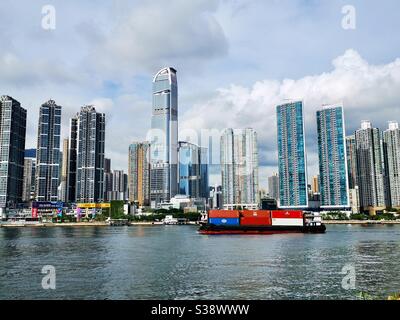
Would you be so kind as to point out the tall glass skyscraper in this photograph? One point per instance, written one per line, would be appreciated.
(292, 161)
(12, 151)
(239, 167)
(204, 175)
(48, 152)
(90, 144)
(193, 170)
(333, 175)
(370, 175)
(391, 150)
(164, 137)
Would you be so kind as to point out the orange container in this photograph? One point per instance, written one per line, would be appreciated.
(287, 214)
(223, 214)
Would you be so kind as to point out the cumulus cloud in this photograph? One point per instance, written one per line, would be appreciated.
(366, 90)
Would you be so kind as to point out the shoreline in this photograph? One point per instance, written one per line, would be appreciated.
(359, 222)
(76, 224)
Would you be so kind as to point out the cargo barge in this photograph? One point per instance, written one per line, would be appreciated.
(261, 222)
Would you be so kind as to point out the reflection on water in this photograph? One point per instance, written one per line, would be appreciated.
(175, 262)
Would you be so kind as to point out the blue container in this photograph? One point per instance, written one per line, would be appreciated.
(224, 221)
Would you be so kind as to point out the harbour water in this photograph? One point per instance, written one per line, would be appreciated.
(175, 262)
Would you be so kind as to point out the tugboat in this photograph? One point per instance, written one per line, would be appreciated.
(261, 222)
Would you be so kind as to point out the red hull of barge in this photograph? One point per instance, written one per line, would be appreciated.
(245, 232)
(210, 229)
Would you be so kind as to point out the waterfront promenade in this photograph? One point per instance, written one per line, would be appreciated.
(76, 224)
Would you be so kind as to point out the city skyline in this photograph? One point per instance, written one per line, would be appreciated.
(261, 79)
(350, 143)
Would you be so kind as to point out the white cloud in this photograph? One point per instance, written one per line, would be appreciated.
(158, 33)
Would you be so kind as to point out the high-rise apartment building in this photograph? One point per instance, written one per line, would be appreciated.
(48, 152)
(139, 173)
(333, 175)
(108, 179)
(351, 153)
(64, 172)
(273, 186)
(370, 175)
(293, 188)
(119, 189)
(239, 167)
(28, 188)
(90, 155)
(164, 137)
(12, 150)
(72, 158)
(391, 148)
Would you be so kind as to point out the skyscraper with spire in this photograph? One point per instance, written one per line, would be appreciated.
(164, 137)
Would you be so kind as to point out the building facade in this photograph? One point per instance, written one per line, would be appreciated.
(193, 170)
(215, 200)
(12, 151)
(28, 188)
(333, 175)
(273, 186)
(204, 174)
(139, 173)
(108, 179)
(72, 159)
(64, 172)
(164, 137)
(239, 167)
(315, 185)
(119, 188)
(90, 155)
(351, 153)
(48, 152)
(391, 149)
(370, 175)
(293, 192)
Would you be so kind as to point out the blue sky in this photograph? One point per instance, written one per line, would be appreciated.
(235, 59)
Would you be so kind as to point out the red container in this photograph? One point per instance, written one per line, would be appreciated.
(223, 214)
(256, 213)
(255, 221)
(286, 214)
